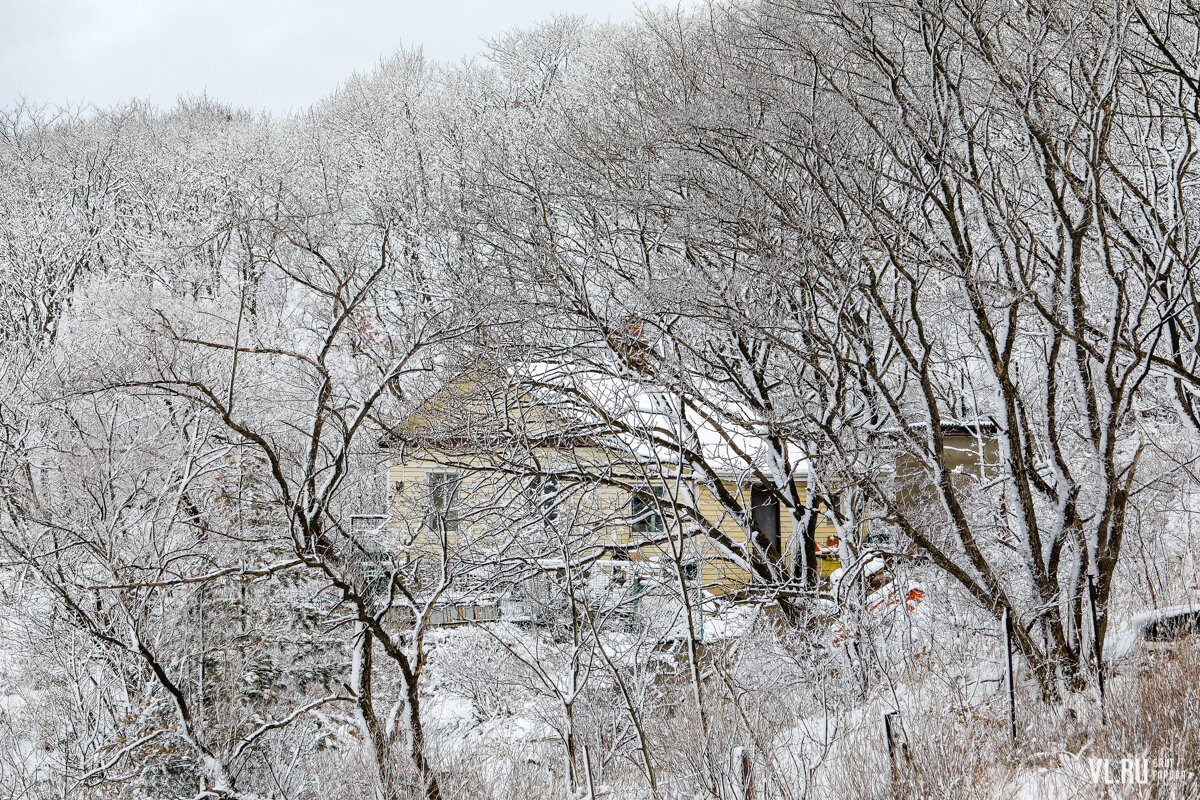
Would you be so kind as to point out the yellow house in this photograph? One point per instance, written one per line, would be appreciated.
(497, 468)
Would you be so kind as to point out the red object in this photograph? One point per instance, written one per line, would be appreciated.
(911, 600)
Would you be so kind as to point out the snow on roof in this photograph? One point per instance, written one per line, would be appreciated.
(576, 402)
(1145, 619)
(639, 414)
(1137, 626)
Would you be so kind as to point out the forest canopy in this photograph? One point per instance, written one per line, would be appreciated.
(804, 243)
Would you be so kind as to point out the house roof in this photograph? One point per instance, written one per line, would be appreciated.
(549, 404)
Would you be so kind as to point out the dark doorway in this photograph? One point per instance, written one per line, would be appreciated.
(764, 506)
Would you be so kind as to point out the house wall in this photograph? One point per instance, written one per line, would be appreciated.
(971, 460)
(719, 570)
(492, 500)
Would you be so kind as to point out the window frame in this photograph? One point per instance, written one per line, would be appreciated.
(444, 512)
(641, 519)
(541, 492)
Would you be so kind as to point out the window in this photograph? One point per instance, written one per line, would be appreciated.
(646, 518)
(376, 569)
(367, 524)
(443, 501)
(764, 508)
(542, 492)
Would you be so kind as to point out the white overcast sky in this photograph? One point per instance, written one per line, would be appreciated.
(273, 54)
